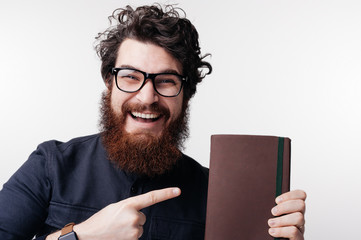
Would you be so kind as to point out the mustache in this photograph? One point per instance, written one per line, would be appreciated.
(154, 108)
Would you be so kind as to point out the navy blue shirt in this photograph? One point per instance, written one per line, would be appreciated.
(69, 182)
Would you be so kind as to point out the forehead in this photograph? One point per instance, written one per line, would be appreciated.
(147, 57)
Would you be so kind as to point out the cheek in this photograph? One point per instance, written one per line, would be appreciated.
(116, 101)
(175, 108)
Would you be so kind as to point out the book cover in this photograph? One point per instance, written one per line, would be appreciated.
(246, 174)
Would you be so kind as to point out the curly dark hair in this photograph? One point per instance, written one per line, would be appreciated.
(165, 28)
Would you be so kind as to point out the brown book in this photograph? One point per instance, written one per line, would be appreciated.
(245, 176)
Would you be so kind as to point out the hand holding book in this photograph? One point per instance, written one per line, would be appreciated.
(289, 218)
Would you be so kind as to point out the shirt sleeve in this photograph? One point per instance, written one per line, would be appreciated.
(24, 199)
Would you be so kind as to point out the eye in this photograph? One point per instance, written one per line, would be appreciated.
(167, 80)
(133, 77)
(127, 75)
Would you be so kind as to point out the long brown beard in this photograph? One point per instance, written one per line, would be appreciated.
(142, 153)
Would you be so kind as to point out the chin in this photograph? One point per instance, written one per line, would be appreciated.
(143, 133)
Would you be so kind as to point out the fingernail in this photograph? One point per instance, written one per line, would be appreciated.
(279, 199)
(176, 191)
(274, 210)
(272, 231)
(271, 223)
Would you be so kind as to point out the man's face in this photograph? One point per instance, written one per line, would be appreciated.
(140, 117)
(143, 132)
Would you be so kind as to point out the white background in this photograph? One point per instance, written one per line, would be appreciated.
(287, 68)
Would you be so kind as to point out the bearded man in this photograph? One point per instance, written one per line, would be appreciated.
(131, 181)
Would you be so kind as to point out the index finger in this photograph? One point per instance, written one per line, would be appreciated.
(153, 197)
(292, 195)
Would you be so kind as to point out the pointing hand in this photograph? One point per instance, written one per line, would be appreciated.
(122, 220)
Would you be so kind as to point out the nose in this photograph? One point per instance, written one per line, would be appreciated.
(147, 95)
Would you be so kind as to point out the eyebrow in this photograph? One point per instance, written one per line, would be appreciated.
(165, 71)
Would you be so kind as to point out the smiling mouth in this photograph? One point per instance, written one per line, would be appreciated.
(147, 117)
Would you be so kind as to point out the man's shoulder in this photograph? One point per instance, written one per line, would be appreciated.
(75, 143)
(79, 149)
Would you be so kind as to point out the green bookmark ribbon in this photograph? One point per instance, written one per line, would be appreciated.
(279, 175)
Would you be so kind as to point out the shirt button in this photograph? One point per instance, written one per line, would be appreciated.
(133, 190)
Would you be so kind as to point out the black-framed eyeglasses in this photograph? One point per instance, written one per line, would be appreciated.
(132, 80)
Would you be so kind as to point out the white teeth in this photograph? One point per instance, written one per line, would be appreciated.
(145, 115)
